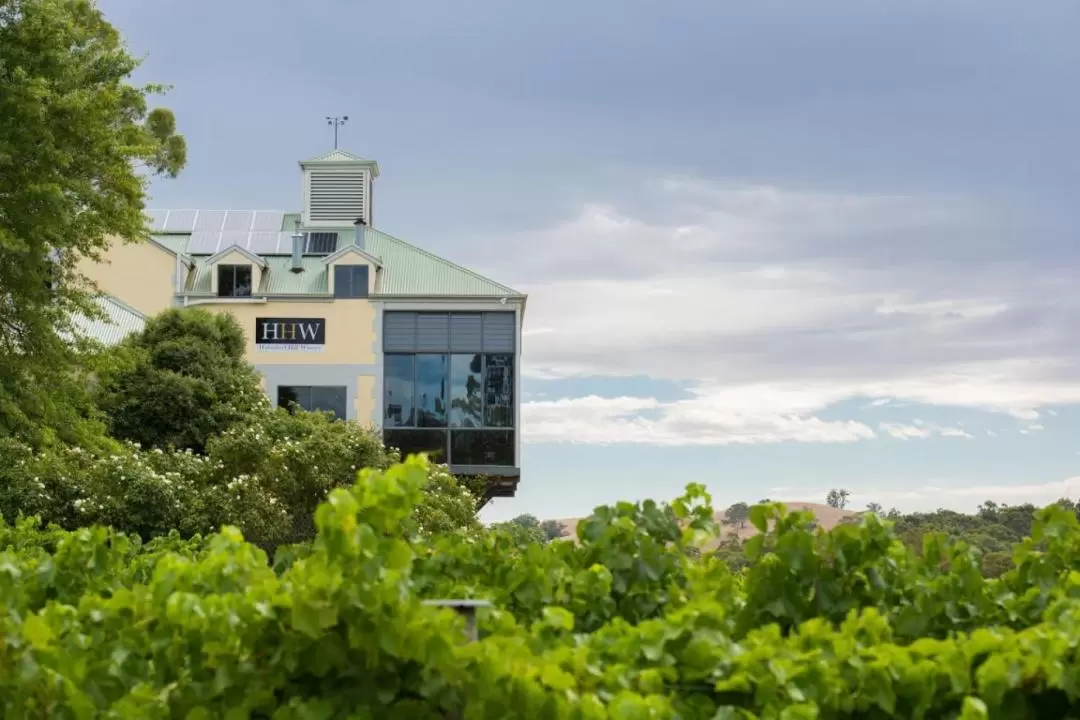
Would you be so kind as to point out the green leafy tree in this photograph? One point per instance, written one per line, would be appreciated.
(737, 514)
(837, 499)
(552, 529)
(524, 529)
(875, 508)
(180, 381)
(76, 139)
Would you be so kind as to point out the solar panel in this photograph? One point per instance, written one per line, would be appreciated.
(203, 243)
(156, 220)
(180, 220)
(210, 220)
(284, 243)
(321, 243)
(263, 243)
(239, 220)
(268, 220)
(231, 240)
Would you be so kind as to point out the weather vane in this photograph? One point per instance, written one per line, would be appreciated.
(336, 122)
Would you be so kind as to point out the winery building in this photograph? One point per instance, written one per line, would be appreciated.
(341, 316)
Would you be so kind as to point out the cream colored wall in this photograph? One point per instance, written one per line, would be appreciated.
(366, 399)
(237, 258)
(139, 274)
(350, 330)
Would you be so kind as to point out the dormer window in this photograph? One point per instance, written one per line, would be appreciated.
(234, 280)
(350, 281)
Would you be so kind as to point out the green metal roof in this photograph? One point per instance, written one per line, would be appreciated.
(176, 243)
(406, 269)
(278, 277)
(119, 321)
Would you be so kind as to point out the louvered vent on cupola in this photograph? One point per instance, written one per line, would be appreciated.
(337, 190)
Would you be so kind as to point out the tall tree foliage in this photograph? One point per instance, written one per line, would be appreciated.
(181, 381)
(76, 147)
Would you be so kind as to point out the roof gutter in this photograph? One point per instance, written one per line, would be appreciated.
(509, 298)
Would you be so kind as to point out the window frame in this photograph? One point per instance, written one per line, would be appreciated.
(298, 391)
(352, 285)
(449, 430)
(233, 268)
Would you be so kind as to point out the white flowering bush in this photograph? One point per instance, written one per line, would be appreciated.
(295, 460)
(265, 476)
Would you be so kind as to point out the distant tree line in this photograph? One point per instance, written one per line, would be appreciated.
(993, 529)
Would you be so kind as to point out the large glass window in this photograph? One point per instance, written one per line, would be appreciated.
(234, 280)
(414, 442)
(466, 381)
(447, 403)
(431, 386)
(318, 398)
(482, 447)
(399, 378)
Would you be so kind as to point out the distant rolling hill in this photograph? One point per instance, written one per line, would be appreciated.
(827, 517)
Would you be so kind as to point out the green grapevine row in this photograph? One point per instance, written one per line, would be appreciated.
(631, 621)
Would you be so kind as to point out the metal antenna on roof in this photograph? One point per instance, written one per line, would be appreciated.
(336, 122)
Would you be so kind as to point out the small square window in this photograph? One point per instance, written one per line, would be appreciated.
(234, 280)
(331, 399)
(350, 281)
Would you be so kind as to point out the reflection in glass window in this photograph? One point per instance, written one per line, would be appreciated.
(410, 442)
(329, 399)
(400, 391)
(499, 391)
(482, 447)
(234, 280)
(314, 399)
(292, 397)
(432, 378)
(466, 381)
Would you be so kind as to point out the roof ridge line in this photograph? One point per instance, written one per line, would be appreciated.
(124, 305)
(478, 276)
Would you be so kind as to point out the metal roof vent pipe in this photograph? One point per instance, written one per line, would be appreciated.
(361, 231)
(297, 252)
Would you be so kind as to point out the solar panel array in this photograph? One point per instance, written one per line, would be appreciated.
(257, 231)
(191, 221)
(260, 243)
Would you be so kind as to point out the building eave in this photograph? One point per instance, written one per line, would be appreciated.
(224, 252)
(353, 249)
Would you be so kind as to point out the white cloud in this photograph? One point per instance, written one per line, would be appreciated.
(794, 300)
(921, 431)
(964, 497)
(716, 418)
(905, 432)
(956, 432)
(713, 416)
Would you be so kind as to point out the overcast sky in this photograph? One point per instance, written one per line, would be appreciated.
(771, 247)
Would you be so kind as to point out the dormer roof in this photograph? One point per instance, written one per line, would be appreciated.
(255, 259)
(352, 250)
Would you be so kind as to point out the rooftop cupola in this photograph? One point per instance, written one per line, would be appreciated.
(337, 189)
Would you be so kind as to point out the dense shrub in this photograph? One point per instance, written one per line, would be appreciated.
(624, 623)
(265, 477)
(180, 381)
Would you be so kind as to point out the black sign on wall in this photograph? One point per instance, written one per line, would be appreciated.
(290, 334)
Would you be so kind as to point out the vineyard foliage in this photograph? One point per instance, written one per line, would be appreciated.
(629, 621)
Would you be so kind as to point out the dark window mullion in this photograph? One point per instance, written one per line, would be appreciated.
(483, 386)
(415, 392)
